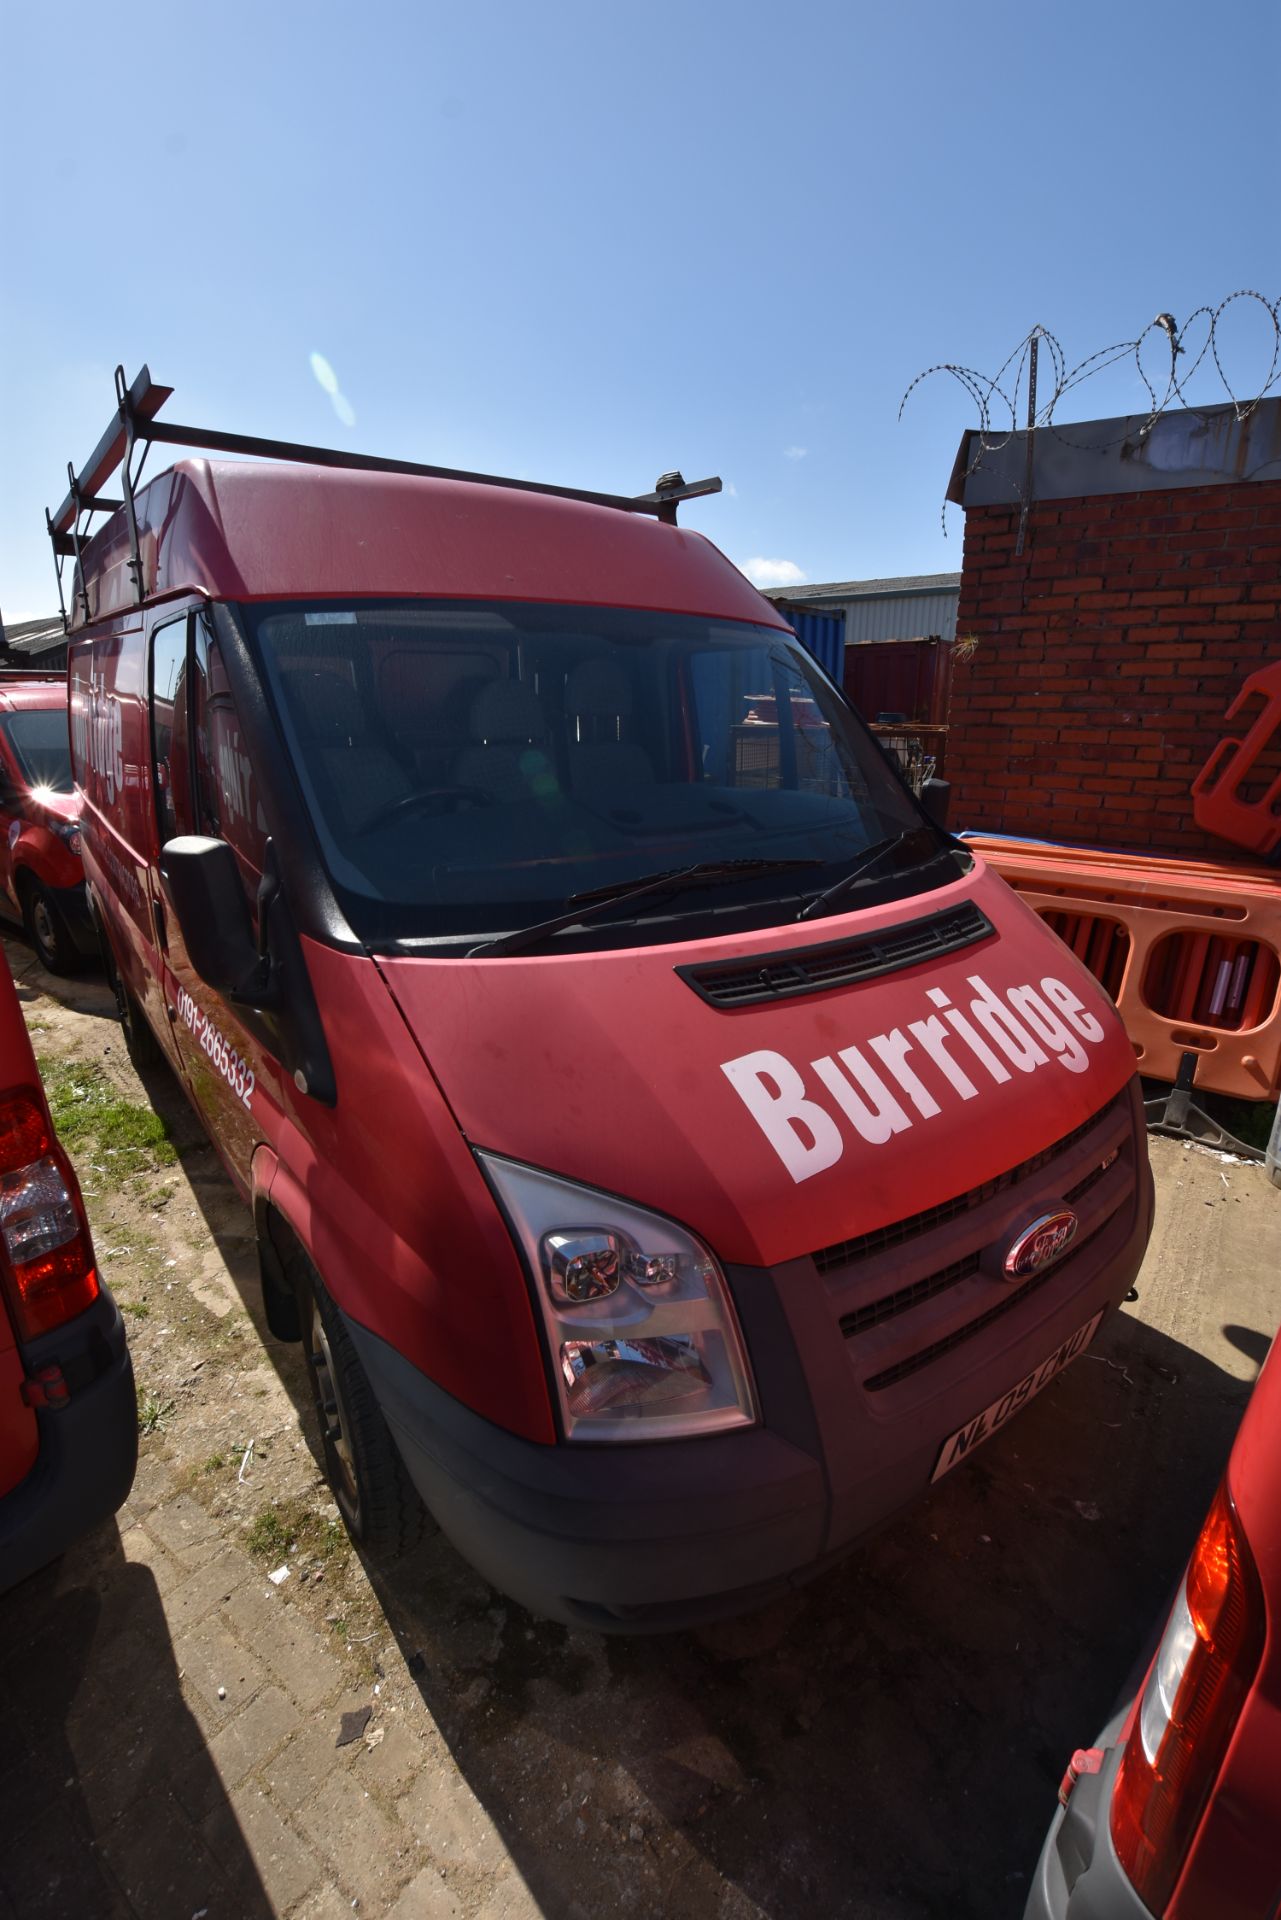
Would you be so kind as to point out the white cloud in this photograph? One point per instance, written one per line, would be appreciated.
(731, 490)
(772, 573)
(795, 453)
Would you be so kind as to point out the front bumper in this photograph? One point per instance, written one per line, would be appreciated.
(859, 1389)
(88, 1448)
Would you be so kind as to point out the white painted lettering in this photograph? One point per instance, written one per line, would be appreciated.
(892, 1047)
(974, 1041)
(1000, 1025)
(808, 1139)
(875, 1112)
(1072, 1009)
(932, 1037)
(803, 1135)
(1047, 1027)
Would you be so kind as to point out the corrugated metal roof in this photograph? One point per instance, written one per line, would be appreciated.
(845, 590)
(34, 636)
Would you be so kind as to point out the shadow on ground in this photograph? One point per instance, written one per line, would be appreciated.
(96, 1725)
(886, 1742)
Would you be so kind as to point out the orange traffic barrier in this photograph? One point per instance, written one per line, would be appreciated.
(1190, 952)
(1230, 796)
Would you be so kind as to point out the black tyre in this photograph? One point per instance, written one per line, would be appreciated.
(143, 1047)
(375, 1495)
(47, 930)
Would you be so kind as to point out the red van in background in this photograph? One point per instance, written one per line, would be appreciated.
(673, 1149)
(1176, 1812)
(42, 880)
(68, 1415)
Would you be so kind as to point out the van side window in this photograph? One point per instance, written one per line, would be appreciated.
(228, 805)
(168, 752)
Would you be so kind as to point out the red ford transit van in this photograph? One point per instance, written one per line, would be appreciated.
(42, 882)
(672, 1148)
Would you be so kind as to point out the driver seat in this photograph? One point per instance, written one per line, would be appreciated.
(361, 774)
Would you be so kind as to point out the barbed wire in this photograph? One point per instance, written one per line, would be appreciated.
(994, 396)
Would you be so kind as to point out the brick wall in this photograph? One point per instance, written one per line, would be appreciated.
(1106, 657)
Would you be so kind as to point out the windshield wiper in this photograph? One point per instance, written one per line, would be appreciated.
(585, 906)
(873, 857)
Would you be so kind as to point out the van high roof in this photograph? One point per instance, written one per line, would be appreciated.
(316, 522)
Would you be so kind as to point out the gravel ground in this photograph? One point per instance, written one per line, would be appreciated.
(886, 1743)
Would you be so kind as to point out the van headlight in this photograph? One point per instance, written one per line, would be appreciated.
(644, 1339)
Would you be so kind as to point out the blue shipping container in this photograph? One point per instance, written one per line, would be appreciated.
(823, 635)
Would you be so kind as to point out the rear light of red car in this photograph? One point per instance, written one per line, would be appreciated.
(1202, 1672)
(46, 1254)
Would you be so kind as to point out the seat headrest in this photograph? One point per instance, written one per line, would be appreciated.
(598, 688)
(326, 707)
(507, 712)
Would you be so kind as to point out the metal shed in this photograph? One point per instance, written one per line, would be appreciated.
(910, 607)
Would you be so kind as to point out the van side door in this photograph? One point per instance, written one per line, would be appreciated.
(205, 785)
(110, 728)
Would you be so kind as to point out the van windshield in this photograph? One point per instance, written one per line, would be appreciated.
(38, 737)
(473, 768)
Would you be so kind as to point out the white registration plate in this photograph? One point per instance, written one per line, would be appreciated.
(985, 1424)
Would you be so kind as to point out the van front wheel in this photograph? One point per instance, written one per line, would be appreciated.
(47, 930)
(375, 1495)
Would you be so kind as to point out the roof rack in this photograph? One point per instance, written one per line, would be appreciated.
(139, 401)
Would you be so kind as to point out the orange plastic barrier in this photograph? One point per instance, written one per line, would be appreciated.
(1221, 802)
(1190, 952)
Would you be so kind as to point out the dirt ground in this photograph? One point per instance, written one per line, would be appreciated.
(886, 1743)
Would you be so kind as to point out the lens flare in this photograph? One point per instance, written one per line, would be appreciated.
(325, 375)
(327, 380)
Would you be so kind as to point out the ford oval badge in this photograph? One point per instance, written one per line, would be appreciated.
(1046, 1240)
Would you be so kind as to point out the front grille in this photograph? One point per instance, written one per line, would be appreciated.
(845, 1252)
(925, 1356)
(838, 963)
(1092, 1178)
(890, 1305)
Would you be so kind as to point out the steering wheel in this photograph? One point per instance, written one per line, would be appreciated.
(471, 796)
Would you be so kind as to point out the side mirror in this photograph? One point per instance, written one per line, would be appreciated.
(936, 798)
(209, 900)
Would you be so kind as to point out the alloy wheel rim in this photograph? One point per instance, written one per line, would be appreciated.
(42, 926)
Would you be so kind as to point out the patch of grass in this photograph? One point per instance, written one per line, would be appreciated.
(89, 1111)
(292, 1526)
(152, 1412)
(138, 1308)
(196, 1476)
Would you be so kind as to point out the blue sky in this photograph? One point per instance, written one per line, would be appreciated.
(590, 242)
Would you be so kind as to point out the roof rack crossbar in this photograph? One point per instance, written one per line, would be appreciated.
(138, 402)
(171, 433)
